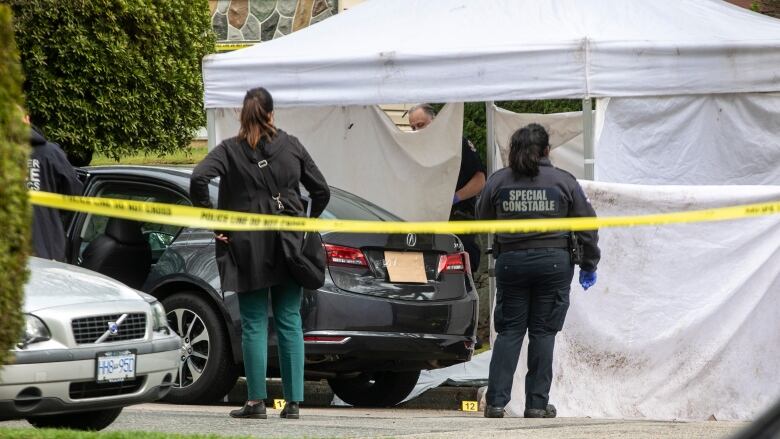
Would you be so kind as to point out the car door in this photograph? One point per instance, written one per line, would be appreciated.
(86, 227)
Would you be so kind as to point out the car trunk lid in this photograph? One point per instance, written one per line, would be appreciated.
(360, 263)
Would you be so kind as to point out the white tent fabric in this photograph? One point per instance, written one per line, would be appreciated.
(565, 130)
(679, 331)
(688, 140)
(398, 51)
(360, 150)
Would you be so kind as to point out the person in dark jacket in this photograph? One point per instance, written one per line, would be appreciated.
(48, 170)
(533, 270)
(252, 263)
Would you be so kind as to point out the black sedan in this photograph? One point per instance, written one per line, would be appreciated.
(392, 305)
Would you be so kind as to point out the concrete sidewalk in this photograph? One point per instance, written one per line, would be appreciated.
(407, 423)
(396, 423)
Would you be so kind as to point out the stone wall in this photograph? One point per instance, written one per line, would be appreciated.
(261, 20)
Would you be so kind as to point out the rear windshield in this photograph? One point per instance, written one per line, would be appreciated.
(350, 207)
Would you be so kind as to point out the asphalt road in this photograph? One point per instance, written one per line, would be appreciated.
(397, 423)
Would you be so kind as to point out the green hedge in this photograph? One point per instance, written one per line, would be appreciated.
(14, 210)
(117, 77)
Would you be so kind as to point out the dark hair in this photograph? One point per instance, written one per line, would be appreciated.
(256, 117)
(527, 146)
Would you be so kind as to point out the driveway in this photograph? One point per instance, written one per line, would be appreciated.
(397, 423)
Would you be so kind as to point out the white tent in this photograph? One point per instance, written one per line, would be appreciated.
(398, 51)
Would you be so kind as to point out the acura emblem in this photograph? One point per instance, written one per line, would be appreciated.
(411, 240)
(113, 328)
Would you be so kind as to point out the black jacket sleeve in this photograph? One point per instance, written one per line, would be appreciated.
(486, 210)
(314, 182)
(580, 207)
(67, 180)
(212, 166)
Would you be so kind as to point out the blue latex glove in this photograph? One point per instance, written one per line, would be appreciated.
(587, 279)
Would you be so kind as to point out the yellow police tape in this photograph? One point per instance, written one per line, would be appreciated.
(195, 217)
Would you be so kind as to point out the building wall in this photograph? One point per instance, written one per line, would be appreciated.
(247, 21)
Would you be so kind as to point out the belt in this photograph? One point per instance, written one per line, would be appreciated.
(534, 243)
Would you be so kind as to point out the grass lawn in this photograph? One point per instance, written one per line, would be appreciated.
(192, 155)
(34, 433)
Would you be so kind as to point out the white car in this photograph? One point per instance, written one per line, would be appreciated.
(91, 345)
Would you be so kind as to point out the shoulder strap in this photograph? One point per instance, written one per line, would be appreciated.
(270, 183)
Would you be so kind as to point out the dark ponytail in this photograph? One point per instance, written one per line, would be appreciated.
(527, 146)
(256, 117)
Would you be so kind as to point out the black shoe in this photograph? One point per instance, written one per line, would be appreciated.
(290, 411)
(494, 412)
(255, 411)
(549, 412)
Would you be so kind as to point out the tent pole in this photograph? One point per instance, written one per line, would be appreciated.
(587, 137)
(491, 149)
(211, 127)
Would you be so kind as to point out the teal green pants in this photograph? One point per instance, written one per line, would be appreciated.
(286, 301)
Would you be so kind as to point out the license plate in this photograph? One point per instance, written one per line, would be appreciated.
(115, 366)
(407, 267)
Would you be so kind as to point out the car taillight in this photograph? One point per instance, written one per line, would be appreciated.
(348, 256)
(453, 263)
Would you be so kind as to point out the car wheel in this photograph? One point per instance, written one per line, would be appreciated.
(375, 389)
(206, 370)
(93, 420)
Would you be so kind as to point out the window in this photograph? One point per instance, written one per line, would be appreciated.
(160, 236)
(343, 205)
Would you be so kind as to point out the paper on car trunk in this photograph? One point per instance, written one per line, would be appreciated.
(405, 267)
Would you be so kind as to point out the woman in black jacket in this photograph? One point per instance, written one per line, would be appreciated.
(533, 270)
(252, 263)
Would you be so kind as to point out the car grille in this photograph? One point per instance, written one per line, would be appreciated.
(91, 389)
(89, 329)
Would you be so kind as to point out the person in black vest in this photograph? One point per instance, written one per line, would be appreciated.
(252, 263)
(471, 180)
(48, 170)
(533, 270)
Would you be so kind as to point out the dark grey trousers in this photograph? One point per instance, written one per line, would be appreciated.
(532, 295)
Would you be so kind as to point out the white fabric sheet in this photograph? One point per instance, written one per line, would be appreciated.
(397, 51)
(564, 129)
(684, 321)
(468, 373)
(360, 150)
(691, 140)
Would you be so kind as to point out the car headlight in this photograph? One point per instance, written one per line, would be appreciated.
(159, 319)
(34, 331)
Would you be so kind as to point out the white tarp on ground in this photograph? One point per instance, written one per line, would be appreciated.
(689, 140)
(398, 51)
(360, 150)
(471, 373)
(565, 130)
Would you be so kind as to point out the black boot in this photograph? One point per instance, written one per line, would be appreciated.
(549, 412)
(290, 411)
(494, 412)
(254, 411)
